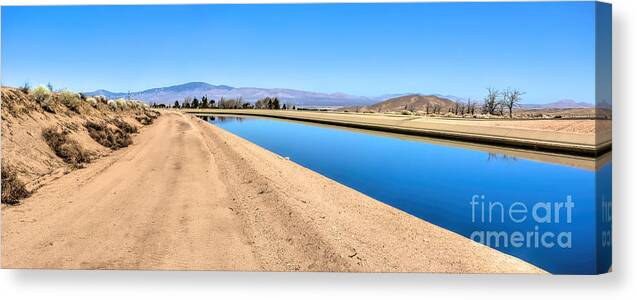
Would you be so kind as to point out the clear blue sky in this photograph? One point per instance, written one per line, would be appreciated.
(545, 49)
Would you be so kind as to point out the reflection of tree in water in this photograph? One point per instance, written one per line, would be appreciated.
(499, 156)
(222, 119)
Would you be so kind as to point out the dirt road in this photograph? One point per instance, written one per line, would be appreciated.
(190, 196)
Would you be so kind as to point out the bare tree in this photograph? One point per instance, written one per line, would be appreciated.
(500, 107)
(186, 103)
(511, 99)
(458, 108)
(436, 108)
(471, 107)
(491, 101)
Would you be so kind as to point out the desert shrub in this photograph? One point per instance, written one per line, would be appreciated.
(133, 104)
(146, 117)
(13, 189)
(112, 104)
(138, 104)
(71, 100)
(122, 103)
(44, 97)
(65, 147)
(40, 93)
(101, 99)
(124, 126)
(92, 101)
(108, 137)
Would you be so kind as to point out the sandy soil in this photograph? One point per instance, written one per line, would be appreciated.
(188, 195)
(23, 148)
(556, 125)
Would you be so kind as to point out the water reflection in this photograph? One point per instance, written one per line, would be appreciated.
(544, 213)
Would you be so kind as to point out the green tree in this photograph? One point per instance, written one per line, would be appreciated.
(195, 103)
(204, 102)
(176, 105)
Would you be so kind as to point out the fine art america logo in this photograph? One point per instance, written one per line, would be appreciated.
(531, 217)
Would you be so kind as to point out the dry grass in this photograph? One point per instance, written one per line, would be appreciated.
(147, 117)
(107, 136)
(71, 100)
(65, 147)
(124, 126)
(13, 189)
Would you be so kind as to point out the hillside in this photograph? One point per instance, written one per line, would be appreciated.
(44, 139)
(412, 102)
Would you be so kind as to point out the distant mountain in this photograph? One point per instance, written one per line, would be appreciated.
(451, 97)
(388, 102)
(168, 95)
(561, 104)
(412, 102)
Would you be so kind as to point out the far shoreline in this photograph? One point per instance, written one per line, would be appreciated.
(594, 145)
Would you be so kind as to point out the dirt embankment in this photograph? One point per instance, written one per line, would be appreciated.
(589, 138)
(45, 136)
(190, 196)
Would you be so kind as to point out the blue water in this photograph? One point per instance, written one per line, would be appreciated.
(452, 186)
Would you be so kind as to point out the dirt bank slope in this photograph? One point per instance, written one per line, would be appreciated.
(25, 151)
(187, 195)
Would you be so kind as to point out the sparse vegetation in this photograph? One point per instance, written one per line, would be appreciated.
(65, 147)
(268, 103)
(147, 117)
(71, 100)
(13, 189)
(491, 103)
(113, 138)
(25, 88)
(112, 104)
(63, 133)
(124, 126)
(41, 94)
(231, 103)
(121, 104)
(511, 98)
(101, 99)
(44, 97)
(92, 101)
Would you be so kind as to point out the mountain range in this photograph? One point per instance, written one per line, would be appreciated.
(564, 103)
(168, 95)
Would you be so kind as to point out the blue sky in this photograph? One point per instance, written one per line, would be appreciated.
(545, 49)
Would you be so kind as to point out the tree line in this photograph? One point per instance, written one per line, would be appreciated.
(223, 103)
(496, 102)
